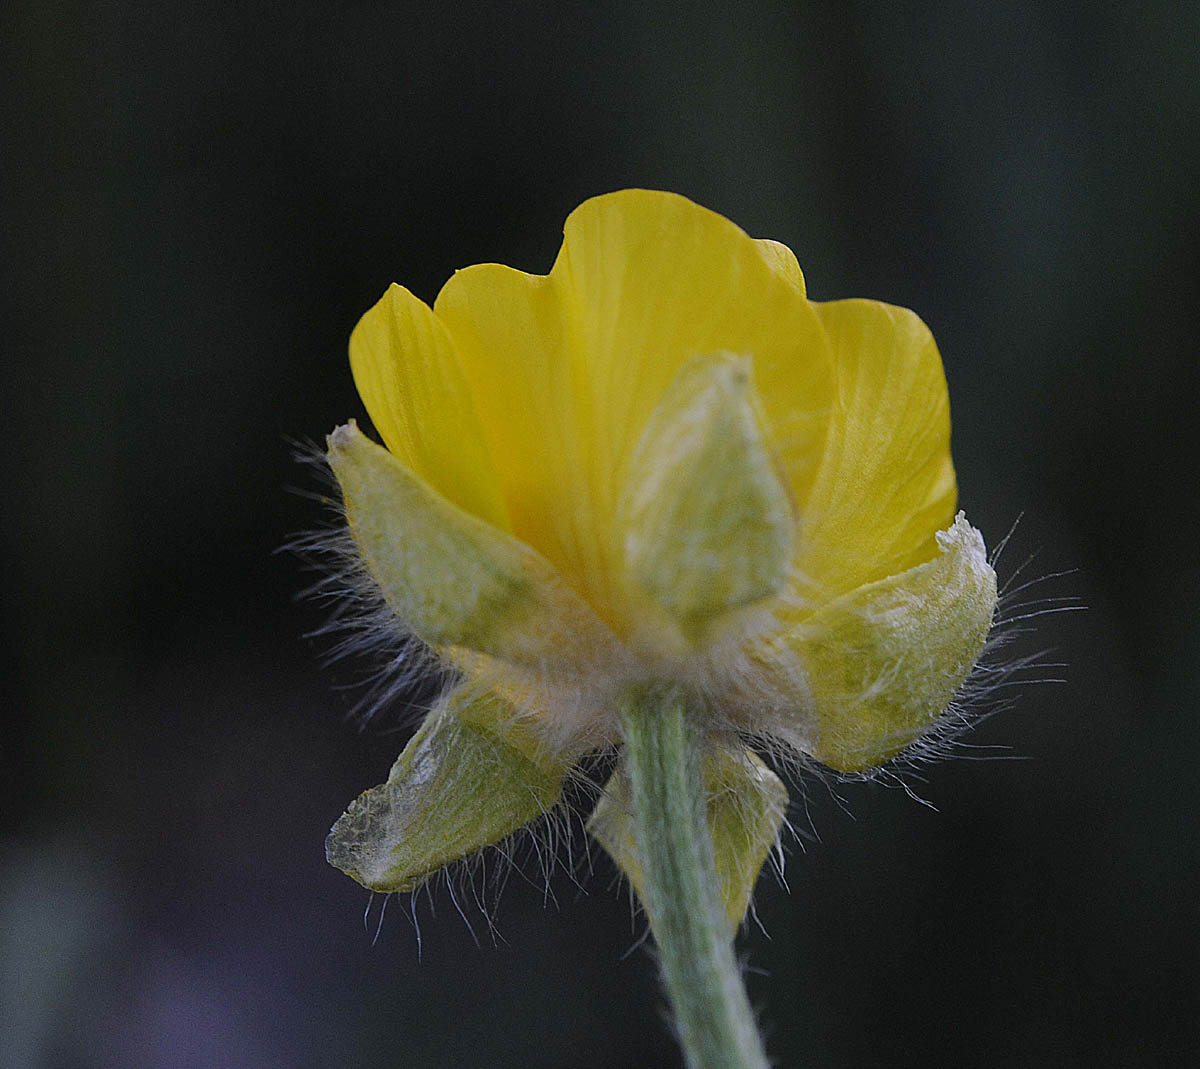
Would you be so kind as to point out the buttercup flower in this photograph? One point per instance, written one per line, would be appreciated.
(658, 470)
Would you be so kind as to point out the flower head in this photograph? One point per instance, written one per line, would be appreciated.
(658, 465)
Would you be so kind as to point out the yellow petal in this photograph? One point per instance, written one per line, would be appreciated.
(468, 778)
(885, 660)
(747, 804)
(568, 368)
(707, 525)
(886, 483)
(783, 261)
(528, 375)
(450, 577)
(412, 384)
(659, 280)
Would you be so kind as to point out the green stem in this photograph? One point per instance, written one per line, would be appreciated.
(680, 890)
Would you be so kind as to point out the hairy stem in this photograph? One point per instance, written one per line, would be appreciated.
(712, 1013)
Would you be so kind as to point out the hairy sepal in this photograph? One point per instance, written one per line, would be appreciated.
(747, 805)
(884, 661)
(472, 775)
(452, 578)
(706, 522)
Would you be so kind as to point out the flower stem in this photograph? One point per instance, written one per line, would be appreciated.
(680, 890)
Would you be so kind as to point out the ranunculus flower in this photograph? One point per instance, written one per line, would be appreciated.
(660, 466)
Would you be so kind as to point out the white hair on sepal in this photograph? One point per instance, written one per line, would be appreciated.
(474, 884)
(360, 626)
(572, 712)
(776, 860)
(991, 687)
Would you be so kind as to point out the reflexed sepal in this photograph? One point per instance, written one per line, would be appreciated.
(452, 578)
(707, 523)
(885, 660)
(468, 778)
(747, 804)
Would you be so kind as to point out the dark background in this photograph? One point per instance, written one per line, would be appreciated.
(202, 199)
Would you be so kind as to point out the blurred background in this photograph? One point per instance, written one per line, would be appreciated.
(201, 201)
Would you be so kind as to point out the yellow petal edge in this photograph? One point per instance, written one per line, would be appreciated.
(414, 388)
(886, 482)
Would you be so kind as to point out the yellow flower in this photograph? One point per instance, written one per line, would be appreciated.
(658, 465)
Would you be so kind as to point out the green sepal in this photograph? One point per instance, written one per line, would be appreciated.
(452, 578)
(707, 523)
(469, 777)
(885, 660)
(747, 804)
